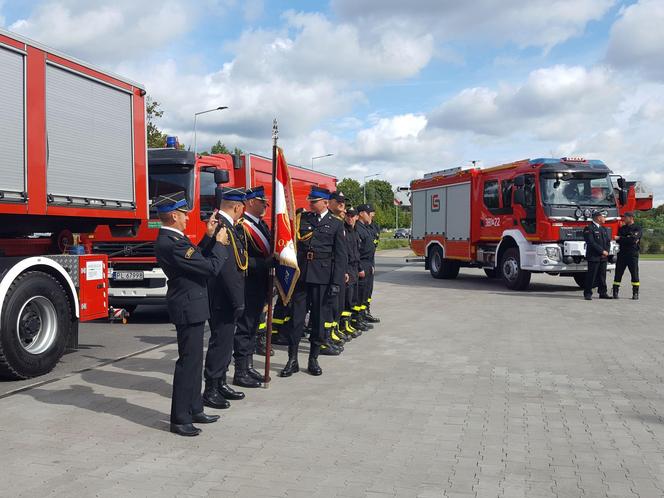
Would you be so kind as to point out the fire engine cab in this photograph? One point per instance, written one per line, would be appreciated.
(515, 219)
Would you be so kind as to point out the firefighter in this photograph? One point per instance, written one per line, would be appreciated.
(367, 236)
(259, 248)
(188, 270)
(334, 346)
(351, 294)
(376, 229)
(629, 240)
(598, 243)
(226, 293)
(321, 257)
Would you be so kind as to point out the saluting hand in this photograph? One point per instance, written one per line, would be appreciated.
(212, 224)
(222, 236)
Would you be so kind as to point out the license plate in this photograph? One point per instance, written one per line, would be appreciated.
(127, 275)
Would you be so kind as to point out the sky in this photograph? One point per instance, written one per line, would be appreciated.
(386, 86)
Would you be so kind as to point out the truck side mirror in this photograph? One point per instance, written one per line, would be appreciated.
(221, 176)
(622, 196)
(519, 197)
(621, 183)
(237, 161)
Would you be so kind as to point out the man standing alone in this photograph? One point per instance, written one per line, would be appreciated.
(598, 243)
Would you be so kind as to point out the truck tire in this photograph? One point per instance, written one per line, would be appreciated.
(514, 276)
(441, 267)
(580, 279)
(36, 323)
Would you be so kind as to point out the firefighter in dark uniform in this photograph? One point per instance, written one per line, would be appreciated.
(353, 249)
(188, 270)
(598, 243)
(259, 248)
(321, 257)
(376, 230)
(337, 337)
(226, 294)
(367, 236)
(629, 240)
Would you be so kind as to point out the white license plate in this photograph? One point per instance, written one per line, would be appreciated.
(127, 275)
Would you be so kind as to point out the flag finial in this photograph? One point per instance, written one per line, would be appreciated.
(275, 132)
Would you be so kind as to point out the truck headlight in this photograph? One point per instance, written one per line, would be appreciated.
(553, 253)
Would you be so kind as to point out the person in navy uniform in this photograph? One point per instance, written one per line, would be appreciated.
(226, 296)
(188, 270)
(598, 243)
(367, 236)
(353, 250)
(629, 240)
(321, 257)
(259, 248)
(335, 336)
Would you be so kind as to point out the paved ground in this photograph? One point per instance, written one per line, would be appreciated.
(465, 389)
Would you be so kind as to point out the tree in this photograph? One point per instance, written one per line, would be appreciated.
(153, 112)
(352, 190)
(219, 148)
(381, 194)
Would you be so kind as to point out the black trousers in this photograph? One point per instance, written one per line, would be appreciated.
(339, 304)
(596, 274)
(629, 261)
(220, 346)
(188, 372)
(247, 325)
(365, 287)
(282, 317)
(316, 299)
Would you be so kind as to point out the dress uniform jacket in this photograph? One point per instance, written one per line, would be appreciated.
(188, 271)
(598, 239)
(353, 248)
(321, 251)
(367, 247)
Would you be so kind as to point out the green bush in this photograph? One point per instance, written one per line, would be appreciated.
(386, 243)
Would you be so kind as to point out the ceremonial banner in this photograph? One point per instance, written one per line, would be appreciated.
(287, 271)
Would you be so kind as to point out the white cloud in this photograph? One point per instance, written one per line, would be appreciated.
(107, 32)
(556, 102)
(538, 23)
(637, 39)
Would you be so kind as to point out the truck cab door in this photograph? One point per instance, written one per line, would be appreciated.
(525, 203)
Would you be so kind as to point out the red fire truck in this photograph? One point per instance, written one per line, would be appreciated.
(72, 157)
(516, 219)
(135, 278)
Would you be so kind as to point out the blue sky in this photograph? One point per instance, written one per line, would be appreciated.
(386, 85)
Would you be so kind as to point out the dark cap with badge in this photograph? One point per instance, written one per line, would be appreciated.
(351, 211)
(255, 193)
(628, 214)
(167, 203)
(318, 194)
(599, 212)
(338, 196)
(367, 208)
(232, 194)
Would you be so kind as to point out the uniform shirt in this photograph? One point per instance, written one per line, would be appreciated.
(630, 239)
(367, 246)
(188, 271)
(321, 249)
(353, 249)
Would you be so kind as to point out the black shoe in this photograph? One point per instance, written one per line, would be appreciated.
(185, 430)
(253, 373)
(228, 392)
(314, 368)
(359, 325)
(370, 318)
(291, 366)
(213, 399)
(243, 379)
(588, 297)
(635, 293)
(604, 296)
(615, 290)
(204, 418)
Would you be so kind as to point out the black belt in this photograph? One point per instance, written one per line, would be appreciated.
(311, 255)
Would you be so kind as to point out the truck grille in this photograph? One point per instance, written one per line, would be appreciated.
(130, 249)
(571, 233)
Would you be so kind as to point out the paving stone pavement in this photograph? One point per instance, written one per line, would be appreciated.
(464, 390)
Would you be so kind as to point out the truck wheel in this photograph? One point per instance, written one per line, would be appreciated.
(580, 279)
(514, 277)
(441, 267)
(491, 272)
(36, 322)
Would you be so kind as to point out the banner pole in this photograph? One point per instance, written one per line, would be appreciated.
(270, 281)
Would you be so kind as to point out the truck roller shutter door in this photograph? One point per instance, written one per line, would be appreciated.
(12, 123)
(419, 206)
(458, 212)
(90, 150)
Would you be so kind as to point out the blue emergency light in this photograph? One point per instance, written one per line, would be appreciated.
(172, 142)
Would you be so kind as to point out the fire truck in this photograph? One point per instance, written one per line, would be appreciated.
(72, 158)
(135, 277)
(517, 219)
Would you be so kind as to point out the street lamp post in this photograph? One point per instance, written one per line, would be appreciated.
(319, 157)
(220, 108)
(364, 187)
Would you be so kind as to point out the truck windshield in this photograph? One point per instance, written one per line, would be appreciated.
(570, 189)
(168, 180)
